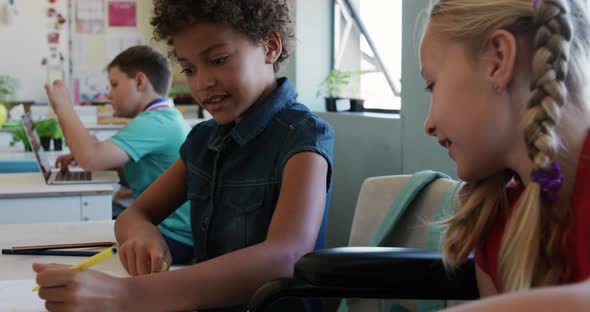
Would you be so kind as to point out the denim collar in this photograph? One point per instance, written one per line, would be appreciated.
(258, 119)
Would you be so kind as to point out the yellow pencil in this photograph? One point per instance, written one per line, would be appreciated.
(88, 263)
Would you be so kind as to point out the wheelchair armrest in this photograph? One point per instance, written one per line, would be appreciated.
(371, 272)
(408, 273)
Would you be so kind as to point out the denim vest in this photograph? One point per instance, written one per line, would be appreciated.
(234, 172)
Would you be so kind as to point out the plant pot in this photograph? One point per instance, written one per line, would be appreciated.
(46, 143)
(357, 105)
(57, 144)
(331, 104)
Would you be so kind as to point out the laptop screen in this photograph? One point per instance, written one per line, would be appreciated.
(33, 138)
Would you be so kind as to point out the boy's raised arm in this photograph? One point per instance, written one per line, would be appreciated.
(90, 153)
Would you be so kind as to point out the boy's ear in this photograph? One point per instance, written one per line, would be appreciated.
(141, 81)
(273, 47)
(501, 52)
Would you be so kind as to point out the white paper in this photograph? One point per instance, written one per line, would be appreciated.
(17, 296)
(118, 42)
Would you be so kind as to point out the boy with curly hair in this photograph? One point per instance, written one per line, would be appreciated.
(257, 175)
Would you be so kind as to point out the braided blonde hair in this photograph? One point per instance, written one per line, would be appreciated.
(530, 253)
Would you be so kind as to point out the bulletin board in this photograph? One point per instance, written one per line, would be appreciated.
(35, 44)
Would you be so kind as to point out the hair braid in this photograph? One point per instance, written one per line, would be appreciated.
(528, 253)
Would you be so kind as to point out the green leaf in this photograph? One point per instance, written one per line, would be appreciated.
(336, 81)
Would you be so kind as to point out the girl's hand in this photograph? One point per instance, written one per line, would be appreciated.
(66, 289)
(64, 161)
(58, 95)
(145, 255)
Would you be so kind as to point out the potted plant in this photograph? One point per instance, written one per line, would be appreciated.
(58, 136)
(18, 134)
(49, 129)
(336, 85)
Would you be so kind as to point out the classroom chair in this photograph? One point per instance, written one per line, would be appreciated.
(406, 272)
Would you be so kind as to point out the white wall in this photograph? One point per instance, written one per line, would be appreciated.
(312, 58)
(24, 38)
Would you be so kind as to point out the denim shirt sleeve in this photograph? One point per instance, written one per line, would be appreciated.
(311, 134)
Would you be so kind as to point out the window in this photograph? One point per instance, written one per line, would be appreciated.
(368, 37)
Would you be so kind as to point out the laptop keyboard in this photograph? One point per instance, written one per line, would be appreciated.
(74, 176)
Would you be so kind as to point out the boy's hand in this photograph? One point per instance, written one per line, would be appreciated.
(58, 95)
(64, 161)
(123, 192)
(65, 289)
(145, 255)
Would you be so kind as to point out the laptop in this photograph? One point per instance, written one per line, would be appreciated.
(56, 176)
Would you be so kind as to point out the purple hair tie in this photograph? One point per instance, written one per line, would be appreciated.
(536, 4)
(550, 180)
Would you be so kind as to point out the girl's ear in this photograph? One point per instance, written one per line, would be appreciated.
(501, 53)
(273, 47)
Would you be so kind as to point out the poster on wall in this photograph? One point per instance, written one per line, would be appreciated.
(91, 85)
(90, 16)
(122, 13)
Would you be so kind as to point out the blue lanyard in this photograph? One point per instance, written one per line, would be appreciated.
(154, 103)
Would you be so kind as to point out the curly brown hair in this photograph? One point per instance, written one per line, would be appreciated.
(255, 18)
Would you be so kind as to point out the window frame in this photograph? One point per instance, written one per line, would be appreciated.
(362, 31)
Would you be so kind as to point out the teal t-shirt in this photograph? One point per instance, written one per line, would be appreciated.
(152, 140)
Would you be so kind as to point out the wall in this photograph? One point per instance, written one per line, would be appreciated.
(22, 51)
(365, 145)
(312, 58)
(420, 151)
(89, 50)
(98, 55)
(90, 57)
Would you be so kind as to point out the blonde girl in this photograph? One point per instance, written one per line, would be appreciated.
(509, 83)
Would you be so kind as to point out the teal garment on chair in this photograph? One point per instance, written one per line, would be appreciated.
(406, 196)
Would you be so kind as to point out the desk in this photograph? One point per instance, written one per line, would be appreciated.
(16, 274)
(25, 198)
(14, 267)
(29, 200)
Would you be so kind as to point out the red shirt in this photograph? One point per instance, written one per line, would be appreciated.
(577, 249)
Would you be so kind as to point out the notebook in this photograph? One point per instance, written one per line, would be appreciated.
(56, 176)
